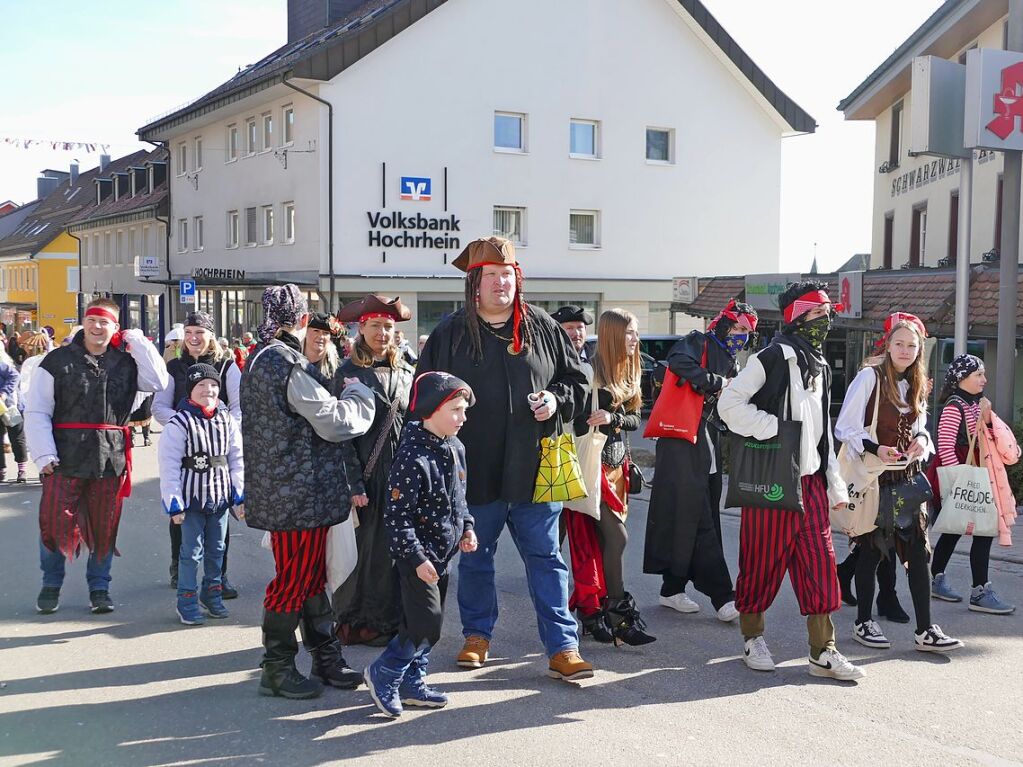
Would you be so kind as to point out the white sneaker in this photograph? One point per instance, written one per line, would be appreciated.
(680, 602)
(935, 640)
(727, 612)
(836, 666)
(757, 656)
(869, 634)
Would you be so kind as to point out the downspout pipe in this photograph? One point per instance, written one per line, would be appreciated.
(330, 189)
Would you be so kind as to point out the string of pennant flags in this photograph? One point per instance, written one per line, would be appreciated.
(67, 146)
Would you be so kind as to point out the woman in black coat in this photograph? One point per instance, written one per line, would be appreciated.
(683, 533)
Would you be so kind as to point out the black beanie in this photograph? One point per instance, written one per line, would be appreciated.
(433, 389)
(199, 372)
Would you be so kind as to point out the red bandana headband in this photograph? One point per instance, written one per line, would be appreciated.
(745, 320)
(375, 315)
(805, 303)
(100, 311)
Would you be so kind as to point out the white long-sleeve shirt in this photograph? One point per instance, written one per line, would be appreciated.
(39, 400)
(850, 429)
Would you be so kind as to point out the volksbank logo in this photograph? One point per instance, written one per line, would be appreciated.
(415, 188)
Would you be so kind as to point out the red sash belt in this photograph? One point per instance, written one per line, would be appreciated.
(125, 489)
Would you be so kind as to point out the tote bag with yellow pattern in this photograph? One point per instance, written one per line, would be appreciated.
(560, 477)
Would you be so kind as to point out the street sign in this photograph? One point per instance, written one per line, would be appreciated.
(684, 289)
(936, 113)
(186, 289)
(147, 266)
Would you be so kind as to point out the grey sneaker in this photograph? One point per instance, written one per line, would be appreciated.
(869, 634)
(836, 666)
(941, 590)
(756, 655)
(983, 599)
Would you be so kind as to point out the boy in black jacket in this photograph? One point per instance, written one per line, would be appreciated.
(428, 521)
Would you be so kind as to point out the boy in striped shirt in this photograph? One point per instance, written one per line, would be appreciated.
(201, 478)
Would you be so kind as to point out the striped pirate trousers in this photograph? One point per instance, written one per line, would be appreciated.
(300, 559)
(773, 542)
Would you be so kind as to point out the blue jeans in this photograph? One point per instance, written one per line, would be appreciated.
(534, 528)
(97, 571)
(202, 540)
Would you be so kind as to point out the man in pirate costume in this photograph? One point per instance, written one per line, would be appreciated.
(574, 320)
(772, 541)
(297, 487)
(528, 384)
(201, 478)
(77, 412)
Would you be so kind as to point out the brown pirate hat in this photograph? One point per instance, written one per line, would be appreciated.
(371, 306)
(486, 250)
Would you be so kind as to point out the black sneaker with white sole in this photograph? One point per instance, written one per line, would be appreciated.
(101, 602)
(48, 600)
(933, 639)
(869, 634)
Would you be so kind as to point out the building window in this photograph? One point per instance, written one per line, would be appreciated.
(250, 136)
(268, 131)
(268, 225)
(895, 143)
(232, 143)
(197, 151)
(232, 229)
(918, 237)
(182, 158)
(250, 226)
(289, 222)
(509, 132)
(997, 245)
(95, 250)
(660, 145)
(288, 124)
(583, 228)
(182, 235)
(86, 242)
(962, 56)
(132, 252)
(583, 136)
(72, 279)
(509, 223)
(197, 233)
(953, 228)
(889, 231)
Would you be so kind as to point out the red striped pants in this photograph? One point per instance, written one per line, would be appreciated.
(75, 509)
(772, 542)
(300, 559)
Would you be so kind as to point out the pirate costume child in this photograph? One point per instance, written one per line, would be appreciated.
(201, 478)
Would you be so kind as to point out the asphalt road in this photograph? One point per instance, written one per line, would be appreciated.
(137, 688)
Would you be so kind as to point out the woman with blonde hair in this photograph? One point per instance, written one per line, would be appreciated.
(318, 344)
(891, 392)
(199, 345)
(367, 605)
(616, 385)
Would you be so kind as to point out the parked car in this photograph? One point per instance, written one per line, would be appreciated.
(653, 353)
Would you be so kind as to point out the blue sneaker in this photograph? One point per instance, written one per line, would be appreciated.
(415, 692)
(983, 599)
(941, 590)
(188, 609)
(212, 601)
(383, 683)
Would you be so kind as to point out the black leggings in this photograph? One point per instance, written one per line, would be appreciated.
(175, 536)
(980, 556)
(17, 437)
(919, 579)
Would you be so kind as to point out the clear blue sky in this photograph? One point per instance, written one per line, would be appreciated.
(95, 72)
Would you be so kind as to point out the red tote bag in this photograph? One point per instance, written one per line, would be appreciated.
(677, 411)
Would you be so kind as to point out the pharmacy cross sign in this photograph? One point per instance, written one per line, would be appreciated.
(1008, 102)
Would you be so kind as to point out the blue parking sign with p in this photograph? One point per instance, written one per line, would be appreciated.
(186, 289)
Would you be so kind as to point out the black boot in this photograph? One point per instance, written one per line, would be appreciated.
(887, 600)
(596, 626)
(846, 572)
(321, 641)
(280, 677)
(626, 624)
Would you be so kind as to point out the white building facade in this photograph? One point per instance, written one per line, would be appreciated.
(618, 144)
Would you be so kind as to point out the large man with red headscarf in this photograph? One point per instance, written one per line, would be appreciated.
(76, 415)
(528, 383)
(791, 378)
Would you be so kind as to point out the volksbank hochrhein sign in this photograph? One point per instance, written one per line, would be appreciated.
(393, 229)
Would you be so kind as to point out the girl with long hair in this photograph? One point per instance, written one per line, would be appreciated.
(318, 343)
(367, 605)
(964, 410)
(895, 384)
(616, 385)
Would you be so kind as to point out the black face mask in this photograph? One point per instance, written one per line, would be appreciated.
(815, 331)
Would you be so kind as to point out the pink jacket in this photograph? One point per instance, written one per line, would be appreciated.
(998, 449)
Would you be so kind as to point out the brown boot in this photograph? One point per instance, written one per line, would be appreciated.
(570, 666)
(474, 652)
